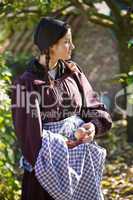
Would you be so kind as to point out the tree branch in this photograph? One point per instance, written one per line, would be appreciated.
(100, 15)
(129, 3)
(80, 5)
(88, 3)
(103, 22)
(54, 13)
(59, 11)
(94, 16)
(115, 10)
(35, 11)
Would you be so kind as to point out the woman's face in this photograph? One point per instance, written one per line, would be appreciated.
(63, 48)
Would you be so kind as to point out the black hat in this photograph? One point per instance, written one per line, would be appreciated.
(48, 31)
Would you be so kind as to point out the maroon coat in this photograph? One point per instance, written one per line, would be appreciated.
(70, 94)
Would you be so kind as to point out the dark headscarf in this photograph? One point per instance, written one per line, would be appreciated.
(48, 32)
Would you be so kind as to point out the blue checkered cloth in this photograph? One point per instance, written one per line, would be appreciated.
(69, 174)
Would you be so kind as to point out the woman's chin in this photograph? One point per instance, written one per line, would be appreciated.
(69, 56)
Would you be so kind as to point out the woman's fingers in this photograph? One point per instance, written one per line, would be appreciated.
(89, 138)
(80, 133)
(83, 134)
(90, 127)
(72, 144)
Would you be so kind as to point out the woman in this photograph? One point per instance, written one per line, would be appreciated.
(51, 93)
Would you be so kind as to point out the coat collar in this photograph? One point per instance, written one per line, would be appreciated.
(41, 73)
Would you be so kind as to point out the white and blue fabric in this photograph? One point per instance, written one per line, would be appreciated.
(69, 174)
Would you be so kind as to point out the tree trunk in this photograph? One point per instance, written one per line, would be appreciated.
(125, 56)
(126, 65)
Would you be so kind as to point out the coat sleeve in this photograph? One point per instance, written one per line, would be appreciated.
(92, 109)
(26, 118)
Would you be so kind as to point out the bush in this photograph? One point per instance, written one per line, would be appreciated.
(9, 154)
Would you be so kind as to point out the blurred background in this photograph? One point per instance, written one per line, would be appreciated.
(103, 37)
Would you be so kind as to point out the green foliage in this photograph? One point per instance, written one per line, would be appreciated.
(125, 78)
(18, 64)
(9, 184)
(16, 12)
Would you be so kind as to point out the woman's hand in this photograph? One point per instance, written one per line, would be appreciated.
(90, 130)
(72, 144)
(80, 133)
(83, 134)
